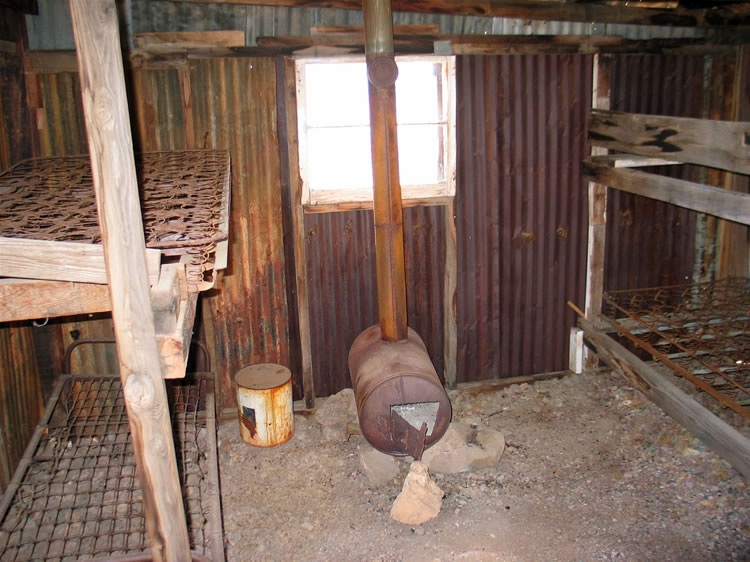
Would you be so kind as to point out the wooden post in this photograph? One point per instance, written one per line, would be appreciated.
(298, 233)
(450, 321)
(387, 206)
(113, 169)
(597, 210)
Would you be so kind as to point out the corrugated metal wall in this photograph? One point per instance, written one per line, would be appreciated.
(342, 286)
(52, 28)
(20, 392)
(521, 210)
(651, 243)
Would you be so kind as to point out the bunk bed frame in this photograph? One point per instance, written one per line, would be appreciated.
(72, 212)
(698, 331)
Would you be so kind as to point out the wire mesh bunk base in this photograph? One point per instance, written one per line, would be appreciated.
(184, 199)
(701, 331)
(76, 496)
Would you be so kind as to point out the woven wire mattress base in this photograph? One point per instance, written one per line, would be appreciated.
(76, 495)
(184, 200)
(700, 331)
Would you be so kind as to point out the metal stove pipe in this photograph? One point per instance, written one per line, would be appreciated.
(401, 403)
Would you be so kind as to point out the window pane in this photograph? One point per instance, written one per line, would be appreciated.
(339, 158)
(417, 94)
(420, 154)
(336, 94)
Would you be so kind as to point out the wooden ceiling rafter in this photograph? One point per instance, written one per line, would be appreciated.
(670, 13)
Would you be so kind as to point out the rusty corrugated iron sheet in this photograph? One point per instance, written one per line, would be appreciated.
(234, 107)
(651, 243)
(521, 209)
(20, 396)
(342, 286)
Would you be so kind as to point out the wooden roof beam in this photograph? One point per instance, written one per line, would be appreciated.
(717, 15)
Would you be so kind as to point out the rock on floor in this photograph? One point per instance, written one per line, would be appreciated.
(378, 467)
(468, 445)
(420, 499)
(335, 412)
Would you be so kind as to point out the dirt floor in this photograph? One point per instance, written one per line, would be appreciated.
(591, 471)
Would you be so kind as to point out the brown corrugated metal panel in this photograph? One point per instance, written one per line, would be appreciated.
(342, 286)
(521, 210)
(20, 396)
(61, 131)
(234, 107)
(651, 243)
(158, 110)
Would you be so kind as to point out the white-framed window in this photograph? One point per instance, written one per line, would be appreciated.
(333, 119)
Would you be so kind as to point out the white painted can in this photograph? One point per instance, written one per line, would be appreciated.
(264, 404)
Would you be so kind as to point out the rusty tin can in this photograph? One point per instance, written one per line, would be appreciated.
(387, 375)
(264, 404)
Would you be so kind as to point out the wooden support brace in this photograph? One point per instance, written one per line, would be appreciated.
(726, 441)
(450, 320)
(62, 261)
(105, 107)
(724, 203)
(27, 299)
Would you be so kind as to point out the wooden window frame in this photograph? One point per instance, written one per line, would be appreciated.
(327, 200)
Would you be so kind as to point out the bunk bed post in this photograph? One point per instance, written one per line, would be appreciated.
(597, 214)
(113, 169)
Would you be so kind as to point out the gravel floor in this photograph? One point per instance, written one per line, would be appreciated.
(592, 471)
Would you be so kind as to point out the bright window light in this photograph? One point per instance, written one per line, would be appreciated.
(334, 129)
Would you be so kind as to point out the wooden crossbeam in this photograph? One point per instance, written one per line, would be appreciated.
(730, 205)
(719, 144)
(25, 299)
(605, 12)
(62, 261)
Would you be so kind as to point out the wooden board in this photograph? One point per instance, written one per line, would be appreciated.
(716, 201)
(232, 38)
(174, 347)
(450, 281)
(631, 161)
(723, 439)
(96, 33)
(24, 299)
(719, 144)
(62, 261)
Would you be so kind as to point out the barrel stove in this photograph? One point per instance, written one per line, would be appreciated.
(402, 405)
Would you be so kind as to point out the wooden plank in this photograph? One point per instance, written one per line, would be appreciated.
(597, 209)
(24, 299)
(62, 261)
(723, 439)
(298, 235)
(229, 38)
(49, 62)
(174, 347)
(716, 201)
(718, 144)
(631, 161)
(165, 299)
(450, 280)
(536, 9)
(342, 206)
(493, 385)
(358, 31)
(96, 34)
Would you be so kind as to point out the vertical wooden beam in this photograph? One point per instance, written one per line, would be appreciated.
(387, 205)
(450, 320)
(298, 230)
(597, 209)
(113, 169)
(733, 238)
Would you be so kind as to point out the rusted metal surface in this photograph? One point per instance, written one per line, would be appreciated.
(264, 404)
(77, 495)
(701, 331)
(387, 205)
(386, 374)
(341, 282)
(521, 210)
(650, 243)
(184, 200)
(249, 311)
